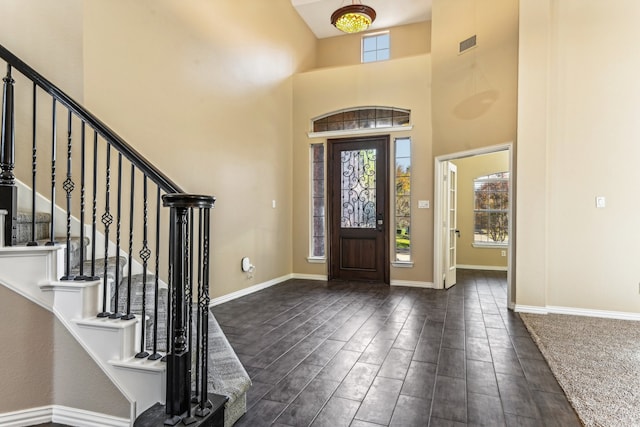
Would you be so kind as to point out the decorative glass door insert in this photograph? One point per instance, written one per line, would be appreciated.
(358, 188)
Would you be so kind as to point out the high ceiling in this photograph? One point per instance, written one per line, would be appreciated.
(390, 13)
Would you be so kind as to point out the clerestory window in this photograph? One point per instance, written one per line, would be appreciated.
(376, 47)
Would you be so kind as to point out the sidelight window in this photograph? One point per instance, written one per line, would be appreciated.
(403, 199)
(318, 225)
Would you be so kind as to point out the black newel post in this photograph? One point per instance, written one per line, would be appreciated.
(8, 189)
(178, 399)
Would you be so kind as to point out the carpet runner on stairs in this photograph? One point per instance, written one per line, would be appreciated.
(226, 375)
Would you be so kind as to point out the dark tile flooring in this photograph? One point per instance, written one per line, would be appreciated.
(368, 355)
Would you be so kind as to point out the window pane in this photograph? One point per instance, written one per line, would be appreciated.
(403, 199)
(363, 118)
(318, 225)
(491, 208)
(369, 44)
(369, 56)
(383, 54)
(383, 41)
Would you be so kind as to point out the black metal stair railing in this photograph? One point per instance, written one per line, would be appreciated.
(124, 185)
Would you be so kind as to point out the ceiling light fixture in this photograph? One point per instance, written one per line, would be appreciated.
(353, 18)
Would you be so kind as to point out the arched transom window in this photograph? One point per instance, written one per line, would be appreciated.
(362, 118)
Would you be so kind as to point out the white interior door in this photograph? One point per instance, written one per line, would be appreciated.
(451, 224)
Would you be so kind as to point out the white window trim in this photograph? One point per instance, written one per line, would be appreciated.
(402, 264)
(369, 131)
(489, 245)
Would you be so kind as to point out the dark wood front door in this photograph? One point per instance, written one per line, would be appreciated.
(358, 208)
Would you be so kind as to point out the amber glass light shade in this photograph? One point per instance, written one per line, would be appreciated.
(353, 18)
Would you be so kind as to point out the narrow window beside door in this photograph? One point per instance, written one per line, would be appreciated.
(318, 225)
(403, 200)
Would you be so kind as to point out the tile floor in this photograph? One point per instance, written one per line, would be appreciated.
(370, 355)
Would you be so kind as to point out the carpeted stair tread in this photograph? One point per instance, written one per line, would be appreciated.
(226, 374)
(112, 263)
(137, 282)
(24, 223)
(75, 246)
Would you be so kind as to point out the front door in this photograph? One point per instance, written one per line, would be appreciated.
(358, 208)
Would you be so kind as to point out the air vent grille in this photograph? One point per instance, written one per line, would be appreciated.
(467, 44)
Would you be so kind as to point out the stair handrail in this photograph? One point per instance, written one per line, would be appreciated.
(159, 178)
(184, 280)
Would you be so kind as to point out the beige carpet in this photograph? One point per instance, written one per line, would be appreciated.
(597, 363)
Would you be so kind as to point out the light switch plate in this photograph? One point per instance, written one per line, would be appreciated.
(600, 202)
(423, 204)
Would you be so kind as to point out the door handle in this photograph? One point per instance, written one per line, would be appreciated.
(380, 222)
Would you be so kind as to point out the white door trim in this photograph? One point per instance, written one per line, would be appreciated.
(438, 219)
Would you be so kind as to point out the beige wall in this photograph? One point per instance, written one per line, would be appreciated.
(470, 168)
(577, 140)
(209, 100)
(474, 94)
(47, 36)
(402, 83)
(41, 362)
(406, 40)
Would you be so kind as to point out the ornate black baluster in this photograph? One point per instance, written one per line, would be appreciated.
(83, 147)
(179, 358)
(145, 254)
(68, 187)
(156, 295)
(129, 315)
(116, 314)
(199, 353)
(203, 408)
(188, 306)
(8, 189)
(107, 220)
(94, 213)
(54, 141)
(34, 164)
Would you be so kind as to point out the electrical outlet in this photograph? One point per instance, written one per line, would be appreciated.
(503, 253)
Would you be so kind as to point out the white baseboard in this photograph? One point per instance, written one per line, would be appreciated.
(60, 414)
(249, 290)
(310, 276)
(412, 284)
(533, 309)
(482, 267)
(572, 311)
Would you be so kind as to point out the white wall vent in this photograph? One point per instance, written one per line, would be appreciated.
(467, 44)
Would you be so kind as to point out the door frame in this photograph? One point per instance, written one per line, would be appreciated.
(439, 220)
(386, 203)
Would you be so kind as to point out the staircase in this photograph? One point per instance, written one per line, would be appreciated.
(104, 278)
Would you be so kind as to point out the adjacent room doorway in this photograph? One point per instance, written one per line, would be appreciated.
(446, 223)
(358, 198)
